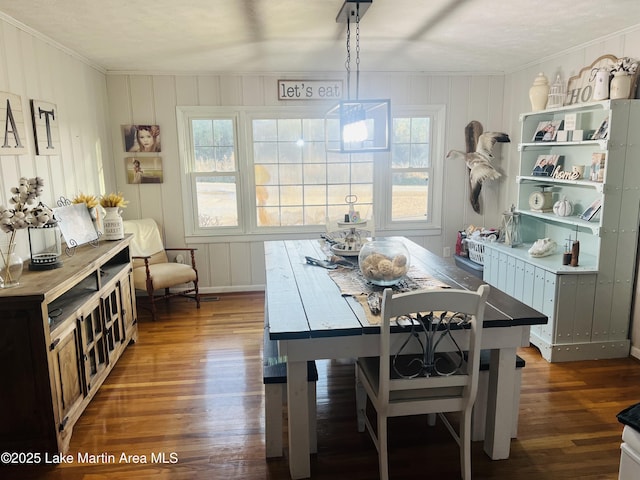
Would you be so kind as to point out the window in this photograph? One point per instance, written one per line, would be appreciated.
(215, 173)
(280, 178)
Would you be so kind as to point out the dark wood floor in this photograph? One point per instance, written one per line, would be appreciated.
(191, 389)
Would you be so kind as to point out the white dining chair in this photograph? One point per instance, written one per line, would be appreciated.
(393, 393)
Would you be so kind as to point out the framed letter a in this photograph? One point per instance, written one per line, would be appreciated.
(14, 135)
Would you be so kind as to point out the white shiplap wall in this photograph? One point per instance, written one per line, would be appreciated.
(33, 68)
(239, 265)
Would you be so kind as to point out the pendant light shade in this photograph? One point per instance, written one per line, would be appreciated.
(357, 126)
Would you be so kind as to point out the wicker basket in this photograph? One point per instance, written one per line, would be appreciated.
(476, 251)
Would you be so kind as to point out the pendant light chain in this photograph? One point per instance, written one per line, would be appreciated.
(357, 50)
(347, 63)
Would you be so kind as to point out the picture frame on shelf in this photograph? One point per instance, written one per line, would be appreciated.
(547, 130)
(598, 164)
(546, 165)
(602, 133)
(591, 210)
(571, 121)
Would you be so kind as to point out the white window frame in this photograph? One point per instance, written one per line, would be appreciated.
(382, 177)
(247, 229)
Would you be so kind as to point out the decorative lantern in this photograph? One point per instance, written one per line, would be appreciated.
(511, 227)
(556, 94)
(45, 247)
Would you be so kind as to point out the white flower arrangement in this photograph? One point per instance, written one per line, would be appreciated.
(24, 209)
(624, 64)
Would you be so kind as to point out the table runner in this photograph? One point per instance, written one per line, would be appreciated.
(351, 282)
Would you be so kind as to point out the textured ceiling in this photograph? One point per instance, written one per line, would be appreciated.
(302, 35)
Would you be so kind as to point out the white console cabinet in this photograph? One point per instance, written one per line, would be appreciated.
(589, 305)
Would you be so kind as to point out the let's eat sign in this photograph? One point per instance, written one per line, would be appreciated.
(309, 89)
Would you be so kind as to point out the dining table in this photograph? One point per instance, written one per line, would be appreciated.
(311, 317)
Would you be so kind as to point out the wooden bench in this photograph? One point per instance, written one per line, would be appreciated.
(479, 416)
(274, 377)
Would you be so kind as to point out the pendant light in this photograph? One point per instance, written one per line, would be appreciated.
(357, 126)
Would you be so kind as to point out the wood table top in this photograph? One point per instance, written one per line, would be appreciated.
(302, 301)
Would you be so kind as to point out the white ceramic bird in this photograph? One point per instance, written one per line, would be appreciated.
(479, 162)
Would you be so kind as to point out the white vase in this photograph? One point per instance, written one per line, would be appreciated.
(601, 85)
(539, 93)
(620, 86)
(112, 224)
(11, 266)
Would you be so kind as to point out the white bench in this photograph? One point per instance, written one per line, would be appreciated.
(479, 416)
(274, 377)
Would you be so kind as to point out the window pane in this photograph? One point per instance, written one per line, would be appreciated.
(315, 174)
(336, 195)
(290, 175)
(338, 173)
(291, 195)
(315, 195)
(420, 155)
(291, 216)
(265, 130)
(313, 129)
(420, 130)
(264, 152)
(401, 130)
(362, 173)
(202, 132)
(289, 153)
(401, 155)
(409, 196)
(217, 201)
(313, 152)
(289, 130)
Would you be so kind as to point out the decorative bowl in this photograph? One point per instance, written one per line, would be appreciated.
(384, 262)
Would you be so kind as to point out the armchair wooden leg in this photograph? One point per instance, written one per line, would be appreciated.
(153, 308)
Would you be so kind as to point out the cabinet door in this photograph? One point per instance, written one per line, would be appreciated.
(511, 275)
(518, 287)
(113, 322)
(529, 281)
(548, 306)
(502, 271)
(129, 313)
(93, 344)
(67, 366)
(538, 289)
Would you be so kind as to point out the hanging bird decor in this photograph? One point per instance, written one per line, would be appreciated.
(478, 158)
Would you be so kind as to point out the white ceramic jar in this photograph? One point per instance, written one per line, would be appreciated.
(539, 92)
(620, 85)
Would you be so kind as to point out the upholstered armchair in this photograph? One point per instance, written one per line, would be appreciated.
(152, 270)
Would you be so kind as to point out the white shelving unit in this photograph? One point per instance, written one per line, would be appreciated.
(589, 306)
